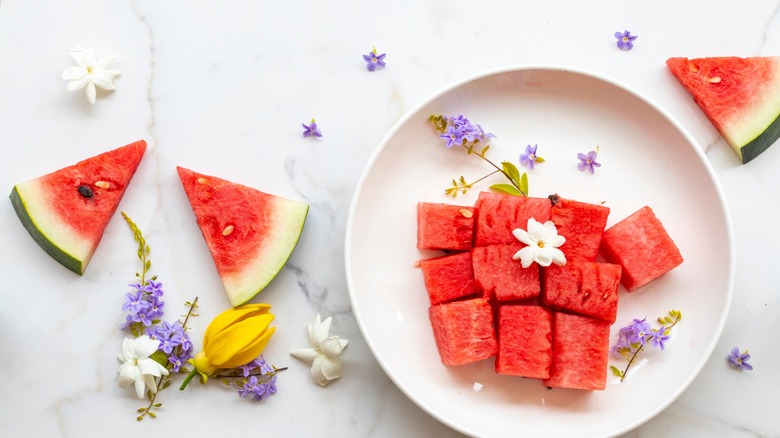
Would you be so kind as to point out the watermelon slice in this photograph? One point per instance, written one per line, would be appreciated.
(524, 341)
(463, 331)
(250, 234)
(444, 226)
(740, 96)
(641, 245)
(584, 288)
(582, 224)
(449, 277)
(499, 213)
(501, 277)
(67, 210)
(580, 352)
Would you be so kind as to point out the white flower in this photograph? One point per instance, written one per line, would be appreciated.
(543, 242)
(325, 351)
(90, 73)
(137, 367)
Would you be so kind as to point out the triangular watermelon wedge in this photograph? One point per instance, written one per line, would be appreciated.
(740, 96)
(250, 234)
(67, 211)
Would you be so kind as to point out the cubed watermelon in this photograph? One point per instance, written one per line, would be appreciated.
(444, 226)
(524, 341)
(501, 277)
(641, 245)
(499, 213)
(580, 352)
(582, 224)
(463, 331)
(584, 288)
(449, 277)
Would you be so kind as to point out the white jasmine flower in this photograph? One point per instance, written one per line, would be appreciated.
(137, 367)
(543, 242)
(90, 73)
(325, 351)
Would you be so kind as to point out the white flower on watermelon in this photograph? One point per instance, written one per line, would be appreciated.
(543, 242)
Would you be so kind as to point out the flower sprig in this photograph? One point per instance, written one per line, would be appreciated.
(634, 337)
(459, 131)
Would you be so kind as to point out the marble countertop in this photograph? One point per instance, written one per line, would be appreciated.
(222, 88)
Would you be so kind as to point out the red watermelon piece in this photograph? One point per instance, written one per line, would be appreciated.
(580, 352)
(501, 277)
(584, 288)
(524, 341)
(500, 213)
(444, 226)
(250, 234)
(582, 224)
(67, 211)
(449, 277)
(740, 96)
(463, 331)
(642, 247)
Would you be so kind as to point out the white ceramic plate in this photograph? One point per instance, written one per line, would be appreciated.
(647, 159)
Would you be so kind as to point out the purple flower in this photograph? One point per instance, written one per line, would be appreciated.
(588, 162)
(658, 338)
(454, 135)
(461, 130)
(639, 331)
(154, 288)
(739, 360)
(155, 310)
(374, 60)
(528, 158)
(311, 130)
(625, 41)
(136, 302)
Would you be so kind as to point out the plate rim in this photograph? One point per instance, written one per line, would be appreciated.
(551, 68)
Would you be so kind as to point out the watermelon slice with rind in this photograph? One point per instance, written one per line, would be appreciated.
(251, 234)
(66, 211)
(740, 96)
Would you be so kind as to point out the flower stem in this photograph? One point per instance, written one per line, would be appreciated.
(187, 379)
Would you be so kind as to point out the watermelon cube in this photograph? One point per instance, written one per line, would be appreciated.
(463, 331)
(501, 277)
(444, 226)
(449, 277)
(499, 213)
(580, 352)
(524, 341)
(641, 245)
(582, 224)
(584, 288)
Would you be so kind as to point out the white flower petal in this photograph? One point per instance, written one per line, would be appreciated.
(333, 346)
(103, 64)
(525, 255)
(150, 367)
(550, 232)
(73, 73)
(83, 57)
(543, 256)
(103, 79)
(558, 257)
(146, 346)
(320, 332)
(78, 84)
(557, 241)
(127, 375)
(522, 235)
(91, 92)
(140, 385)
(316, 372)
(307, 354)
(330, 367)
(151, 383)
(536, 230)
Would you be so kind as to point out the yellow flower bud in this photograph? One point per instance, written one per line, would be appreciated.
(234, 338)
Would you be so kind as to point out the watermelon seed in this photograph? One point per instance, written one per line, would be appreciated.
(202, 180)
(102, 185)
(466, 213)
(714, 80)
(86, 191)
(228, 229)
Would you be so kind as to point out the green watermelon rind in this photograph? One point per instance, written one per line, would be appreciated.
(282, 238)
(51, 235)
(759, 144)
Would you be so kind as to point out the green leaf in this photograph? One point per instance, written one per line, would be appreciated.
(506, 188)
(510, 170)
(484, 151)
(524, 184)
(539, 160)
(152, 414)
(616, 371)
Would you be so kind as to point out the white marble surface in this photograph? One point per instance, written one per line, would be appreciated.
(222, 88)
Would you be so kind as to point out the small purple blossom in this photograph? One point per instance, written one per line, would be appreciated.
(625, 41)
(374, 60)
(136, 302)
(460, 131)
(739, 360)
(174, 342)
(658, 338)
(640, 328)
(258, 364)
(311, 130)
(529, 157)
(259, 389)
(588, 162)
(154, 288)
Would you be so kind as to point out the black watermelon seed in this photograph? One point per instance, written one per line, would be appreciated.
(86, 191)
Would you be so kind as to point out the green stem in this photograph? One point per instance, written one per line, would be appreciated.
(187, 379)
(498, 169)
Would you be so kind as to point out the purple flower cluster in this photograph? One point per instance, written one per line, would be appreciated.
(174, 342)
(260, 380)
(144, 305)
(636, 335)
(460, 131)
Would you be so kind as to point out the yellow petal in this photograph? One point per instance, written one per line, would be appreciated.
(232, 316)
(235, 338)
(251, 352)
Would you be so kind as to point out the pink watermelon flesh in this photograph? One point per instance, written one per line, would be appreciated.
(740, 96)
(502, 278)
(444, 226)
(250, 234)
(499, 213)
(524, 341)
(582, 224)
(580, 352)
(67, 211)
(642, 247)
(463, 331)
(449, 277)
(584, 288)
